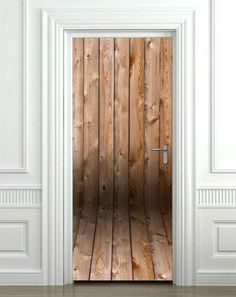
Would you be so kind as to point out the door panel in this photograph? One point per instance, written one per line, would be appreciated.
(122, 90)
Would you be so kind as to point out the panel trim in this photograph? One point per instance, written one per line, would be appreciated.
(217, 225)
(214, 167)
(20, 187)
(23, 253)
(218, 197)
(23, 168)
(229, 225)
(20, 198)
(217, 253)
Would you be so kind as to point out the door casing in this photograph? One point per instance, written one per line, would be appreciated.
(59, 27)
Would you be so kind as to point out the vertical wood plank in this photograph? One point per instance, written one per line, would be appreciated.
(141, 254)
(78, 118)
(167, 221)
(161, 251)
(102, 254)
(166, 122)
(152, 126)
(84, 242)
(121, 265)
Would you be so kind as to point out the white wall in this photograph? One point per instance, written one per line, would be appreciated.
(20, 131)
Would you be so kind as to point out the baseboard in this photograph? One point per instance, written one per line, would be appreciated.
(29, 277)
(216, 278)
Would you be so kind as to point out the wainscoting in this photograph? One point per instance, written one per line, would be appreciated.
(20, 236)
(216, 235)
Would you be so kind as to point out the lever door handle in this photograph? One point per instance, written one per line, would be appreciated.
(163, 149)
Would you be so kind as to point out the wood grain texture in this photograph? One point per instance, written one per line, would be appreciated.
(122, 92)
(152, 121)
(78, 121)
(160, 247)
(165, 180)
(76, 219)
(121, 265)
(152, 139)
(102, 253)
(83, 252)
(167, 221)
(161, 251)
(141, 254)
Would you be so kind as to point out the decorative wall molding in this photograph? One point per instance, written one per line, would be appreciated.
(23, 168)
(224, 242)
(213, 146)
(20, 187)
(216, 197)
(214, 167)
(20, 198)
(20, 242)
(14, 239)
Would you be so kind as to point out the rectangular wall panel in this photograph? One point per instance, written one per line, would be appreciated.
(227, 237)
(21, 250)
(13, 237)
(224, 92)
(12, 87)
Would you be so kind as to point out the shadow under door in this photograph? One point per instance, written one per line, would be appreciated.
(122, 158)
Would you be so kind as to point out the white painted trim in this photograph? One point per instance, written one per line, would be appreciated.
(122, 33)
(27, 277)
(215, 187)
(19, 271)
(215, 277)
(214, 168)
(216, 198)
(217, 271)
(57, 163)
(45, 168)
(68, 144)
(20, 198)
(23, 168)
(21, 187)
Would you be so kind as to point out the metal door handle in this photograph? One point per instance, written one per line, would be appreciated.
(164, 149)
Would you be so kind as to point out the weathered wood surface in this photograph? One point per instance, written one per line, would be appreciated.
(78, 120)
(165, 193)
(85, 238)
(102, 253)
(122, 108)
(121, 262)
(141, 253)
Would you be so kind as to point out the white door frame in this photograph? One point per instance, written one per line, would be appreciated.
(57, 27)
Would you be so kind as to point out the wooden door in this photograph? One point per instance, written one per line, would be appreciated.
(122, 90)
